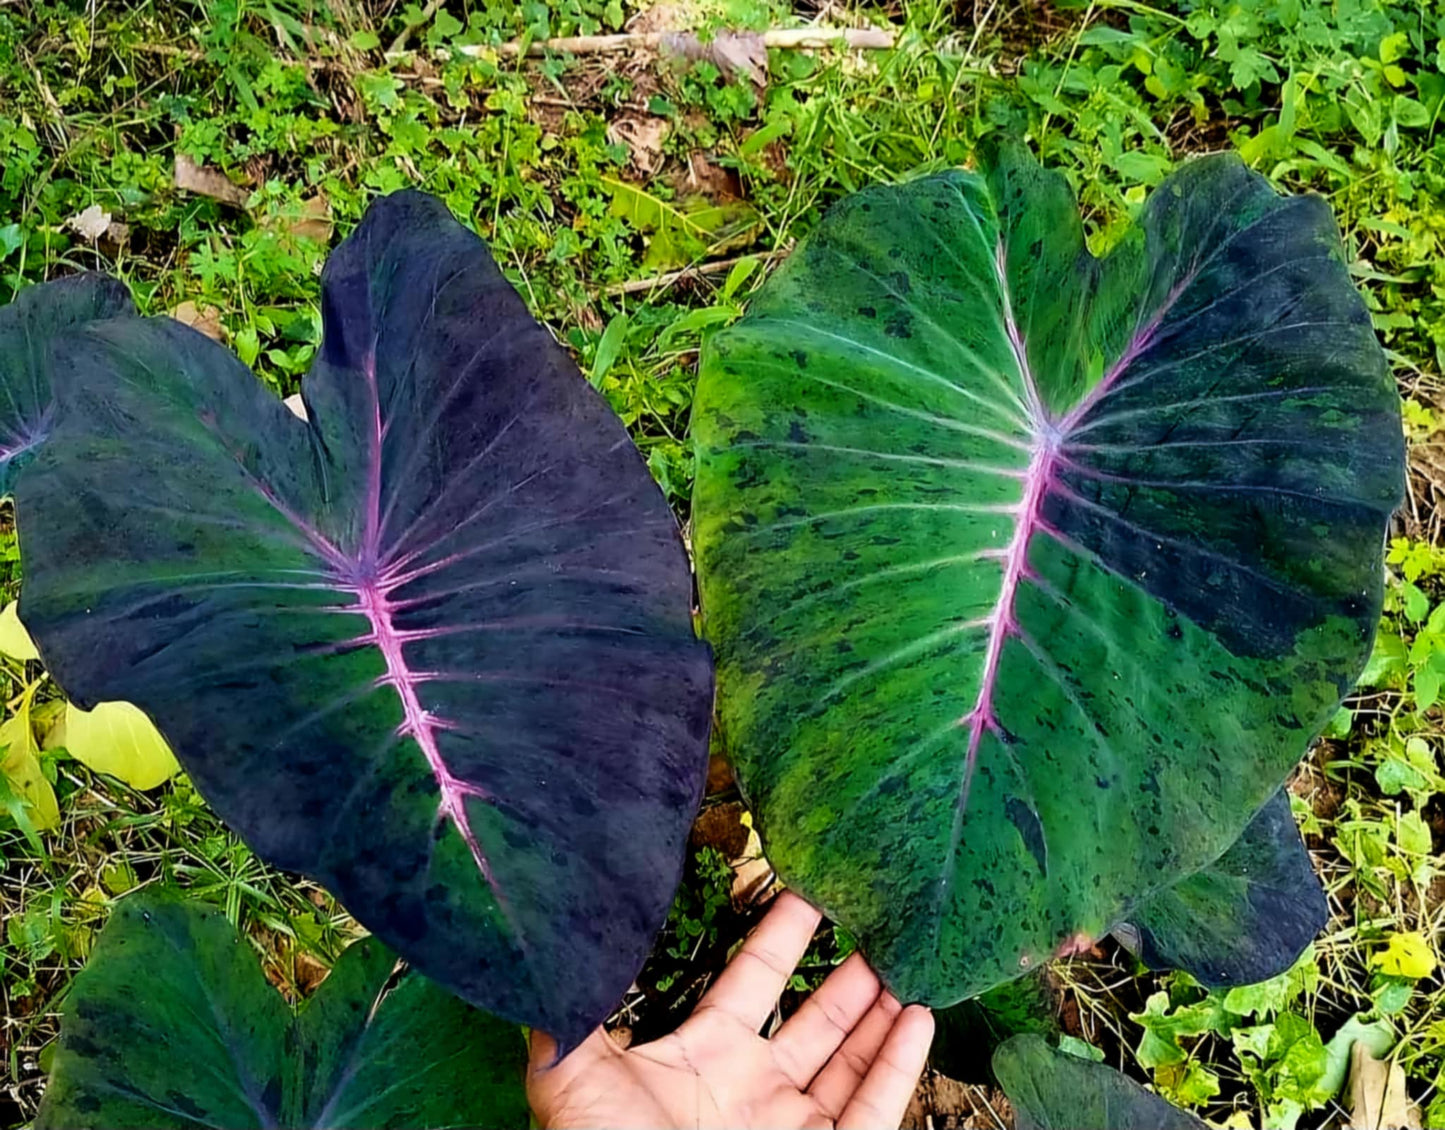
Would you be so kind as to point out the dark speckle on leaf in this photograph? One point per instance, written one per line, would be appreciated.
(1030, 830)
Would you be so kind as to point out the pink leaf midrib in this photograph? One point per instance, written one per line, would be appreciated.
(1002, 621)
(1050, 436)
(362, 575)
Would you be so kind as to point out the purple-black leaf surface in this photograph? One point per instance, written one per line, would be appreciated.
(432, 646)
(28, 328)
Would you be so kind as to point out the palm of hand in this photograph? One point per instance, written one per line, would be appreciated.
(849, 1057)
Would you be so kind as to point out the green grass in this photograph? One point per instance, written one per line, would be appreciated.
(295, 102)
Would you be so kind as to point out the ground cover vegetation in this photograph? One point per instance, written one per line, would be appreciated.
(596, 179)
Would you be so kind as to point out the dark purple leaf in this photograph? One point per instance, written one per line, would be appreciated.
(433, 647)
(28, 328)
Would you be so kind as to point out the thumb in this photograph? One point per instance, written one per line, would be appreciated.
(541, 1051)
(544, 1067)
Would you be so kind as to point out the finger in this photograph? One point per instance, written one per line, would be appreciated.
(881, 1099)
(813, 1033)
(754, 978)
(835, 1084)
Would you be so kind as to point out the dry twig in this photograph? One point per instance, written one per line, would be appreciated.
(663, 281)
(784, 39)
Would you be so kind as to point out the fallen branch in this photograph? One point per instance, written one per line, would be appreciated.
(784, 39)
(663, 281)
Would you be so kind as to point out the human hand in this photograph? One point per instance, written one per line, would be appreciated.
(849, 1058)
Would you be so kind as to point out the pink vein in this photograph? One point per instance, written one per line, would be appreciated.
(1143, 338)
(373, 594)
(362, 577)
(1003, 622)
(420, 724)
(1050, 436)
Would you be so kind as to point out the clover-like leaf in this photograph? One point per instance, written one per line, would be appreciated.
(432, 645)
(172, 1024)
(1029, 573)
(1244, 918)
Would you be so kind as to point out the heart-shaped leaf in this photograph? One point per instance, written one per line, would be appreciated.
(28, 326)
(432, 646)
(30, 799)
(173, 1024)
(1030, 574)
(1246, 917)
(1052, 1090)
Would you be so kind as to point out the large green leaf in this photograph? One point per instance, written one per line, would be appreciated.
(173, 1024)
(1246, 917)
(1030, 574)
(1052, 1090)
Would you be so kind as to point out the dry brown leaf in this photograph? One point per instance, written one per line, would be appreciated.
(643, 138)
(753, 875)
(721, 826)
(705, 178)
(313, 221)
(206, 320)
(665, 15)
(309, 972)
(719, 774)
(191, 177)
(1378, 1099)
(90, 224)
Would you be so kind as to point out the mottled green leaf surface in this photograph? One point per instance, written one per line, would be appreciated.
(1244, 918)
(173, 1024)
(1052, 1090)
(1030, 574)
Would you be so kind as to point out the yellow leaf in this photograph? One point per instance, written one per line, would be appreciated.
(116, 738)
(15, 641)
(20, 763)
(1405, 955)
